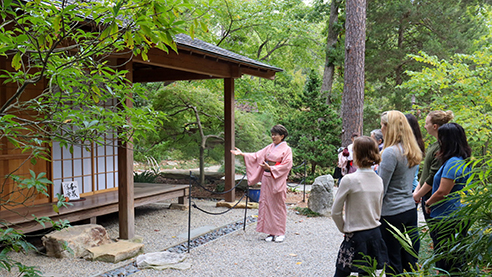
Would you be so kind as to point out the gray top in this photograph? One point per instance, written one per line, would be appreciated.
(397, 181)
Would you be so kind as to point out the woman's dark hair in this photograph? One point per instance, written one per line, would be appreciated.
(414, 124)
(452, 141)
(366, 152)
(279, 129)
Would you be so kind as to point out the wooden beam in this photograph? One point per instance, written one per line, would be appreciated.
(143, 75)
(190, 63)
(229, 138)
(258, 73)
(125, 178)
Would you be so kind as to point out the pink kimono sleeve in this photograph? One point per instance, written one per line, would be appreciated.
(254, 172)
(283, 169)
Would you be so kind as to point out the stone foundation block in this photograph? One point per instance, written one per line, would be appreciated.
(74, 241)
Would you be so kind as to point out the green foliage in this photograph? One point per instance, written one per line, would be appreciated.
(477, 211)
(286, 34)
(314, 127)
(307, 212)
(74, 101)
(37, 182)
(13, 240)
(275, 31)
(64, 51)
(179, 129)
(252, 131)
(461, 84)
(144, 177)
(398, 28)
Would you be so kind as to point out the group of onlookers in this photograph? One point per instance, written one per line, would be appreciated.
(378, 195)
(380, 198)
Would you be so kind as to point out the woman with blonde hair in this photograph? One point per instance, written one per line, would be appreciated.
(400, 157)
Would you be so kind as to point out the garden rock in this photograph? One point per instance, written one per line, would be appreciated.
(76, 238)
(114, 252)
(162, 260)
(321, 196)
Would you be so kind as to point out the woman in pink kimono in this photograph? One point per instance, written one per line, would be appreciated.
(271, 166)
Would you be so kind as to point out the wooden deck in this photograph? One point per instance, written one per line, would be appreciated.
(92, 206)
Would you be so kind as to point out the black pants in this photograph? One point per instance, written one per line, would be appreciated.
(399, 259)
(442, 231)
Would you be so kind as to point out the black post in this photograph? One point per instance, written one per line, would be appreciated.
(305, 175)
(246, 208)
(189, 212)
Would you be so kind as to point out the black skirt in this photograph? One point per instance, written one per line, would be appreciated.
(356, 245)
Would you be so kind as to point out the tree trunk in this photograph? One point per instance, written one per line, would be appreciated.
(202, 162)
(353, 91)
(331, 42)
(313, 168)
(203, 143)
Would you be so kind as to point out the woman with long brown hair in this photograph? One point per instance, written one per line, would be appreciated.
(433, 121)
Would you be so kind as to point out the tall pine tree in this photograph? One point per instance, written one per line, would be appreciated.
(315, 127)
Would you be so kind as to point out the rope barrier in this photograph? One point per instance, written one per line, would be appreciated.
(220, 213)
(194, 179)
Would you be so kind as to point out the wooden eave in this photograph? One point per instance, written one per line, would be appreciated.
(192, 64)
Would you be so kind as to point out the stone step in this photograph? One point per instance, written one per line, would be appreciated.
(114, 252)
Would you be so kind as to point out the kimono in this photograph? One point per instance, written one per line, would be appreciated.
(272, 212)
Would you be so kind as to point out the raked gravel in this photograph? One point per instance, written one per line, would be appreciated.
(310, 247)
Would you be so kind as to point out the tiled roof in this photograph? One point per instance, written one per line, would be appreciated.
(187, 42)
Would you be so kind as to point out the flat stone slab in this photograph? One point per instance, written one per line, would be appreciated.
(114, 252)
(162, 260)
(197, 232)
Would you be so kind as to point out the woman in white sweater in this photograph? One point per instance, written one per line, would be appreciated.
(362, 195)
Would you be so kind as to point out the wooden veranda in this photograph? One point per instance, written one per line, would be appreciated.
(91, 206)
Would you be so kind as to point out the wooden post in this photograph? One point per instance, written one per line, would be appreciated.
(125, 179)
(229, 138)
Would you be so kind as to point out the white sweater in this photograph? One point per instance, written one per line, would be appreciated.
(362, 193)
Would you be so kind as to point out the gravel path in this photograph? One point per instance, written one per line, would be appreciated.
(309, 249)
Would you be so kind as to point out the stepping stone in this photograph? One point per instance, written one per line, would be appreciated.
(162, 260)
(197, 232)
(114, 252)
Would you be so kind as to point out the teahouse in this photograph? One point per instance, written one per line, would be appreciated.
(104, 174)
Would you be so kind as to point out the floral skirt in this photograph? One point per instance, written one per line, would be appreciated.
(358, 246)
